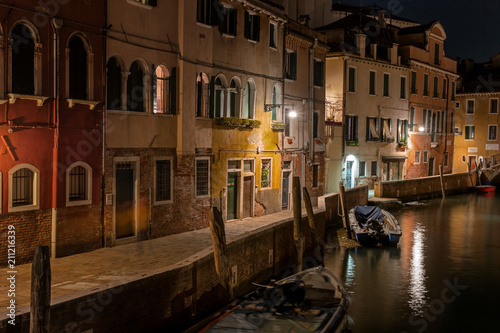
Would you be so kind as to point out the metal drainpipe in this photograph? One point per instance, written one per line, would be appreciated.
(56, 24)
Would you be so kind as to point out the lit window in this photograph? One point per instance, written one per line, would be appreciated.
(266, 173)
(402, 131)
(492, 132)
(386, 130)
(372, 129)
(161, 90)
(163, 181)
(202, 95)
(426, 155)
(417, 156)
(202, 177)
(469, 132)
(24, 184)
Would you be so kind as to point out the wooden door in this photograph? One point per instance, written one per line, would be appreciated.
(125, 201)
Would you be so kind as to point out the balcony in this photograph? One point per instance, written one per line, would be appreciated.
(235, 122)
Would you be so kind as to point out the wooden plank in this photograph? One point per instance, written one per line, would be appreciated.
(298, 237)
(345, 211)
(317, 243)
(442, 180)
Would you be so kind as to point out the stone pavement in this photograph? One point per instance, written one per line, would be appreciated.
(85, 272)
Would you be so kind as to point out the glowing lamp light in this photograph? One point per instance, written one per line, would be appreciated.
(421, 128)
(292, 114)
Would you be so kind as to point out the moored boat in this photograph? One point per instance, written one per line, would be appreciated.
(485, 188)
(372, 225)
(311, 301)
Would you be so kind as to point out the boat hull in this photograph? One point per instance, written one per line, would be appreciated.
(389, 232)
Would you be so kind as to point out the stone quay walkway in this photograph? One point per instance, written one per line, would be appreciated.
(83, 273)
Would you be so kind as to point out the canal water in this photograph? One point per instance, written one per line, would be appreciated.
(443, 277)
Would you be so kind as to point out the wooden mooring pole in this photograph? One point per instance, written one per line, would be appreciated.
(442, 180)
(298, 237)
(40, 291)
(220, 250)
(345, 212)
(317, 243)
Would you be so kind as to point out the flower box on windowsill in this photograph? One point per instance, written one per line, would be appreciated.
(278, 127)
(352, 143)
(237, 122)
(402, 144)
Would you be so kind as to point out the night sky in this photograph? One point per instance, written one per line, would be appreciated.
(472, 26)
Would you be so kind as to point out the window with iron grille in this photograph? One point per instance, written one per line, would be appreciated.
(22, 187)
(77, 184)
(163, 180)
(266, 171)
(202, 177)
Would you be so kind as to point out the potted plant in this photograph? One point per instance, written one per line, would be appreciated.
(352, 143)
(278, 127)
(402, 144)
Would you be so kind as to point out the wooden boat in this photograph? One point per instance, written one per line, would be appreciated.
(313, 300)
(372, 225)
(485, 188)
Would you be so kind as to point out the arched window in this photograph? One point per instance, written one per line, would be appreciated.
(114, 84)
(24, 188)
(78, 184)
(23, 60)
(202, 95)
(135, 88)
(219, 88)
(161, 90)
(249, 100)
(77, 69)
(234, 98)
(276, 100)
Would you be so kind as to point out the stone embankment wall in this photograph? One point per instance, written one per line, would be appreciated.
(425, 187)
(330, 203)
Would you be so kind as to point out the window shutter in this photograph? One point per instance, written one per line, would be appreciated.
(256, 28)
(173, 91)
(355, 129)
(212, 96)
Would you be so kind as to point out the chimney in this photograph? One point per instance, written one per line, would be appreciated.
(361, 44)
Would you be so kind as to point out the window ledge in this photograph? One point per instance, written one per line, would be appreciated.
(23, 208)
(139, 4)
(72, 102)
(3, 101)
(228, 35)
(166, 115)
(39, 99)
(205, 25)
(252, 41)
(78, 203)
(164, 202)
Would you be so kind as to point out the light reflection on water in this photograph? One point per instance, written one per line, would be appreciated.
(417, 288)
(444, 243)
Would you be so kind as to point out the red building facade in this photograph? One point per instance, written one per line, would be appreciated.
(51, 88)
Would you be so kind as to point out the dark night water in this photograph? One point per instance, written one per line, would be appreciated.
(443, 277)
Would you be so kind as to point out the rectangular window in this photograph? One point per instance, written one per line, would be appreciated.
(206, 12)
(374, 168)
(386, 130)
(252, 26)
(319, 73)
(248, 165)
(413, 82)
(227, 20)
(273, 35)
(424, 118)
(426, 85)
(315, 124)
(469, 132)
(470, 106)
(372, 129)
(291, 65)
(417, 156)
(443, 120)
(437, 130)
(372, 82)
(386, 85)
(429, 121)
(202, 177)
(362, 168)
(436, 82)
(445, 93)
(403, 87)
(493, 105)
(352, 79)
(412, 118)
(453, 91)
(163, 180)
(402, 131)
(287, 122)
(492, 132)
(436, 54)
(233, 165)
(266, 171)
(351, 128)
(426, 154)
(315, 175)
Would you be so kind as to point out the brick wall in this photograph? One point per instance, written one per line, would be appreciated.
(175, 298)
(32, 228)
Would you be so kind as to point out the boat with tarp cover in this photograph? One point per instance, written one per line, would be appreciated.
(372, 225)
(312, 301)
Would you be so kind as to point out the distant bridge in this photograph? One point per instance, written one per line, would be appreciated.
(490, 170)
